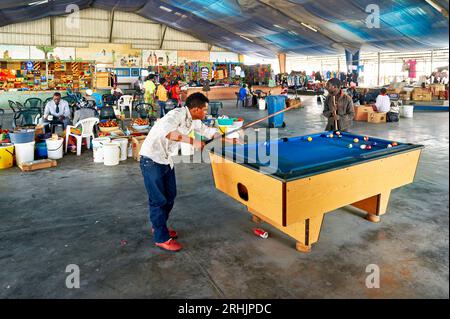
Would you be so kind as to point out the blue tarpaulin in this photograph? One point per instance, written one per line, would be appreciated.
(268, 27)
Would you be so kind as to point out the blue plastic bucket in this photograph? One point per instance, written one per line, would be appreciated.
(41, 150)
(276, 103)
(22, 136)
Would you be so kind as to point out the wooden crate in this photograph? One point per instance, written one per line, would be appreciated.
(35, 165)
(375, 117)
(362, 112)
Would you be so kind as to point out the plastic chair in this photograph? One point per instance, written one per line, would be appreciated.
(125, 100)
(27, 117)
(87, 131)
(214, 108)
(33, 102)
(107, 113)
(109, 99)
(2, 114)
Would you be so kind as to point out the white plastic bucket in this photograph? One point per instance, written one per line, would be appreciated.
(24, 152)
(262, 104)
(55, 148)
(111, 152)
(407, 111)
(187, 149)
(97, 146)
(123, 148)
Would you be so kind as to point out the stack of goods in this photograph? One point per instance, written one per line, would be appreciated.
(258, 74)
(420, 94)
(436, 89)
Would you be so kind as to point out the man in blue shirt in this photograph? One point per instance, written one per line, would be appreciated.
(243, 94)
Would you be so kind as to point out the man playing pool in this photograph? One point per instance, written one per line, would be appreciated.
(343, 112)
(158, 168)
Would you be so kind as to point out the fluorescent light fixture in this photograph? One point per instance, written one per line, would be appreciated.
(36, 3)
(293, 32)
(278, 26)
(246, 38)
(436, 6)
(165, 9)
(309, 27)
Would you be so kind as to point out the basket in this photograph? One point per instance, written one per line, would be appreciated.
(140, 127)
(225, 121)
(108, 129)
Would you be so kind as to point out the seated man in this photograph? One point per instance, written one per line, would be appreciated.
(243, 92)
(383, 102)
(57, 111)
(116, 91)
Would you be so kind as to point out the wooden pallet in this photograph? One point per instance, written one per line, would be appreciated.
(35, 165)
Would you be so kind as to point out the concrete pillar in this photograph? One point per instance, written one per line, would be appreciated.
(379, 68)
(282, 62)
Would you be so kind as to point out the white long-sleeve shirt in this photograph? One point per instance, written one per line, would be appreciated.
(50, 109)
(158, 147)
(383, 103)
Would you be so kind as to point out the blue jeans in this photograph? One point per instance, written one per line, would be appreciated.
(161, 187)
(162, 108)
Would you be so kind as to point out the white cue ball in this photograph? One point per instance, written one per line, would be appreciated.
(363, 147)
(350, 145)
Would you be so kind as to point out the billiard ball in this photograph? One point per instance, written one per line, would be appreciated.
(309, 139)
(363, 146)
(356, 140)
(394, 143)
(340, 136)
(389, 145)
(331, 135)
(338, 133)
(368, 147)
(366, 138)
(350, 145)
(375, 143)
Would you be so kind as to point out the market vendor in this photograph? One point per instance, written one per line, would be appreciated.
(158, 168)
(57, 111)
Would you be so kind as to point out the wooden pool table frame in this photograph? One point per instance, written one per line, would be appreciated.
(297, 207)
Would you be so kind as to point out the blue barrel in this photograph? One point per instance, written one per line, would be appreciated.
(274, 104)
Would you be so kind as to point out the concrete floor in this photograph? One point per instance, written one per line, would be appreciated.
(81, 213)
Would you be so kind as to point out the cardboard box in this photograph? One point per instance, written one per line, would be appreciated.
(375, 117)
(421, 95)
(136, 143)
(361, 113)
(437, 88)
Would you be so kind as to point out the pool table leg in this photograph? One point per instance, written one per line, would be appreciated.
(375, 206)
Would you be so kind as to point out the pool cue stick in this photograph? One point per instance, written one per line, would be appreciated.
(336, 128)
(252, 123)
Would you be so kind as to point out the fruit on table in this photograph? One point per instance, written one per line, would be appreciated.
(109, 123)
(140, 122)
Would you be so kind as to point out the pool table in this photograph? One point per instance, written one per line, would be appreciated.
(305, 177)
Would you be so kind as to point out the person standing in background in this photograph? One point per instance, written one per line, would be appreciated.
(162, 97)
(149, 89)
